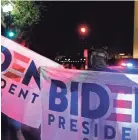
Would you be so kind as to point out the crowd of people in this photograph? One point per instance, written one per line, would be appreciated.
(73, 66)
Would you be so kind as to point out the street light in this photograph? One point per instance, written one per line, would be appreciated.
(7, 8)
(84, 31)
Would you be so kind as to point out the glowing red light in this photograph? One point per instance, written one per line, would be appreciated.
(85, 53)
(83, 30)
(123, 64)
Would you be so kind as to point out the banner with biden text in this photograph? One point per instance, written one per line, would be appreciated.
(20, 82)
(86, 105)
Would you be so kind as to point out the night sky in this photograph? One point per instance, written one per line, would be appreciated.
(110, 23)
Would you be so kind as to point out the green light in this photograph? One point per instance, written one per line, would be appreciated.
(11, 34)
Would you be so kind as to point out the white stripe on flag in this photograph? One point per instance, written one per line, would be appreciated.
(122, 111)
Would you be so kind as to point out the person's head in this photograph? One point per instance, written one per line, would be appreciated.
(99, 58)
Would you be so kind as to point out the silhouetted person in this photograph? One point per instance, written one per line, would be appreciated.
(98, 60)
(99, 63)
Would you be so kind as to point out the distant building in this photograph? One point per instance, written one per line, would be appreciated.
(70, 61)
(122, 55)
(135, 44)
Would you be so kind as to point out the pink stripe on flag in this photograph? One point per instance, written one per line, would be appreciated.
(120, 89)
(122, 104)
(13, 76)
(119, 117)
(21, 57)
(18, 67)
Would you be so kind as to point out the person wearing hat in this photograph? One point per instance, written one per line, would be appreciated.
(98, 60)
